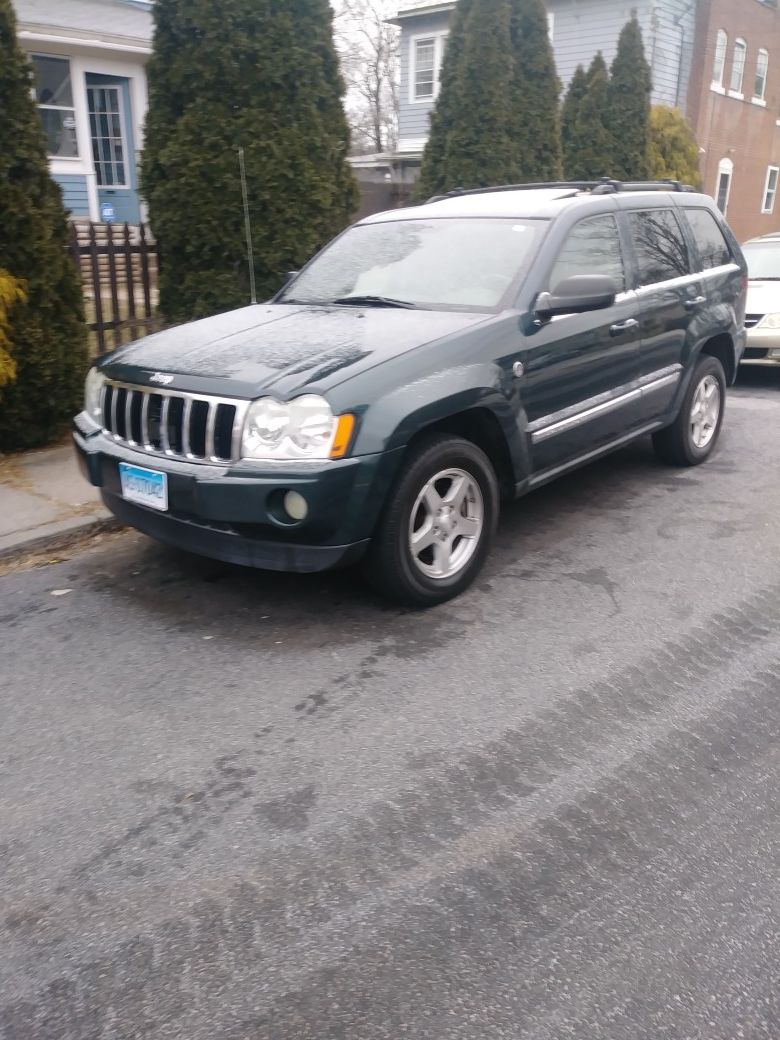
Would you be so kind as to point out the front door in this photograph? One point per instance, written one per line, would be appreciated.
(113, 151)
(580, 370)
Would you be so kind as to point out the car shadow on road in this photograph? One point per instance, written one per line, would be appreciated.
(162, 578)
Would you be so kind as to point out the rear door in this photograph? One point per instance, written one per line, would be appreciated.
(670, 296)
(580, 370)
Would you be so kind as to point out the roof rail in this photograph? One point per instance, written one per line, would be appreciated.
(604, 186)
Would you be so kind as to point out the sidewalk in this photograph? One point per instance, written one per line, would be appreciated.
(45, 501)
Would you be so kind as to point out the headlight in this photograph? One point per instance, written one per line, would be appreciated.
(769, 321)
(305, 428)
(93, 389)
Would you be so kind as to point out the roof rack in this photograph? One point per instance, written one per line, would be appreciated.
(604, 186)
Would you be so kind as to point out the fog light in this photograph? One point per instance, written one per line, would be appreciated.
(296, 505)
(775, 353)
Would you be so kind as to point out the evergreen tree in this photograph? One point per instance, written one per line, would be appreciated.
(535, 124)
(444, 118)
(496, 119)
(674, 153)
(589, 153)
(44, 336)
(257, 74)
(478, 150)
(628, 106)
(570, 115)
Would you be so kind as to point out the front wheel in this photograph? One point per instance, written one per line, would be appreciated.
(694, 433)
(437, 524)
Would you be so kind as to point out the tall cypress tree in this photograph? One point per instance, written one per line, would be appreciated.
(478, 149)
(496, 119)
(432, 179)
(45, 336)
(570, 115)
(261, 75)
(536, 132)
(590, 151)
(628, 106)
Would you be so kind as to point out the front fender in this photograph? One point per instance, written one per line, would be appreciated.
(396, 417)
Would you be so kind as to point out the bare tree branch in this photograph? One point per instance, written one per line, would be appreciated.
(368, 48)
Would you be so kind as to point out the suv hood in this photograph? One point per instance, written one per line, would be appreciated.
(763, 297)
(247, 352)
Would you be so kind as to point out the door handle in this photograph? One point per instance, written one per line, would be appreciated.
(694, 302)
(623, 326)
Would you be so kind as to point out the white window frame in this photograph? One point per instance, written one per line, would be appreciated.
(439, 38)
(737, 91)
(123, 129)
(725, 169)
(770, 194)
(719, 61)
(60, 108)
(762, 62)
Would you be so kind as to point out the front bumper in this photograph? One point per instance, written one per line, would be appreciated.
(231, 512)
(762, 348)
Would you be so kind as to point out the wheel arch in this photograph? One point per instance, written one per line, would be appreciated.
(721, 347)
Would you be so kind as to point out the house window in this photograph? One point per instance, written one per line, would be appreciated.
(54, 95)
(719, 68)
(770, 189)
(762, 65)
(738, 66)
(108, 143)
(427, 54)
(723, 189)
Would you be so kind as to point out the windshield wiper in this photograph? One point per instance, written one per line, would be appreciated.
(765, 278)
(374, 301)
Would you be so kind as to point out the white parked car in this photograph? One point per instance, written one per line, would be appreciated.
(762, 318)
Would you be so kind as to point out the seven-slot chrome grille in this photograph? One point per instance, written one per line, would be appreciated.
(194, 427)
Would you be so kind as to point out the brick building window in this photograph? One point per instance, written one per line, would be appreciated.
(770, 189)
(723, 189)
(719, 67)
(738, 67)
(762, 65)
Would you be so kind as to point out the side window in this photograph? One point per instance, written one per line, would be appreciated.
(710, 241)
(592, 247)
(660, 248)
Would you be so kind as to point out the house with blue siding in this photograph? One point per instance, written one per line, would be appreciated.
(578, 29)
(89, 61)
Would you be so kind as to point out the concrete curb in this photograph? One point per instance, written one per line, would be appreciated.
(57, 535)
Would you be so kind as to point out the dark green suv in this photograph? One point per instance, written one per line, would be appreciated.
(428, 363)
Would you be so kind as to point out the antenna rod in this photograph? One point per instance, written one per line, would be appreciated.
(248, 228)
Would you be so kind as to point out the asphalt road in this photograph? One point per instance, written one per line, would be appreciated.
(236, 806)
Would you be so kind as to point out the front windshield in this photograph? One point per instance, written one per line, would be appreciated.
(438, 264)
(763, 260)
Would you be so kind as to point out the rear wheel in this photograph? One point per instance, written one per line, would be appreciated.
(693, 435)
(437, 525)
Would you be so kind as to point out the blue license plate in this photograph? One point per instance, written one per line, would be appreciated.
(146, 487)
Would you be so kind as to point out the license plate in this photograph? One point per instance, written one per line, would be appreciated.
(146, 487)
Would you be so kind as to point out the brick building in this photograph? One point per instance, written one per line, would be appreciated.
(734, 107)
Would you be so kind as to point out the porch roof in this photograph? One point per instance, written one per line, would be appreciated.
(105, 23)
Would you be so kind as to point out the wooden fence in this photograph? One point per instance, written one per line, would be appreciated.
(118, 265)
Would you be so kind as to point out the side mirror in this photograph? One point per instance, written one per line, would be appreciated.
(576, 295)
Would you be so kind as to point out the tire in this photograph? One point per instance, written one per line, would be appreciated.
(686, 442)
(447, 499)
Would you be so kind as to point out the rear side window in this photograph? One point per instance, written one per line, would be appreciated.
(661, 252)
(710, 241)
(592, 247)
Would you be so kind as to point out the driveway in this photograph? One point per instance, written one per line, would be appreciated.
(239, 806)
